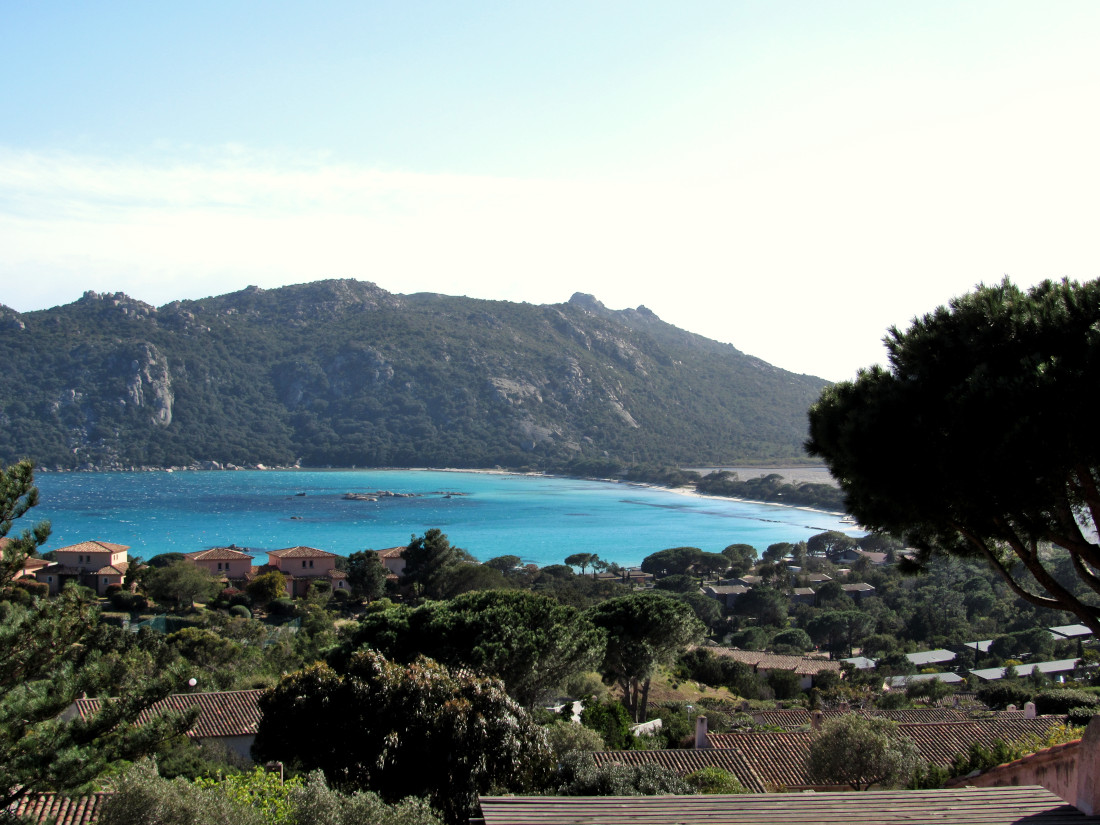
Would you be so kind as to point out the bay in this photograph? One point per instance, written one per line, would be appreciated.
(542, 519)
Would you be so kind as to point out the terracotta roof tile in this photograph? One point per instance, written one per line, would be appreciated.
(800, 717)
(779, 758)
(61, 810)
(391, 552)
(684, 761)
(802, 665)
(301, 553)
(93, 547)
(965, 806)
(217, 554)
(224, 713)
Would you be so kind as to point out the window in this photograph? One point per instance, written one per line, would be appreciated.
(303, 562)
(311, 562)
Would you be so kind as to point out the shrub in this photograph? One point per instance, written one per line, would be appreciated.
(129, 602)
(340, 596)
(786, 684)
(112, 589)
(281, 607)
(114, 619)
(32, 587)
(714, 780)
(1081, 715)
(612, 721)
(565, 737)
(240, 611)
(579, 776)
(1062, 701)
(1000, 695)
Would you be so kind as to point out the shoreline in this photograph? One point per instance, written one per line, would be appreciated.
(682, 490)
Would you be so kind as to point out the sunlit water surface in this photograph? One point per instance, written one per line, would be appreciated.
(541, 519)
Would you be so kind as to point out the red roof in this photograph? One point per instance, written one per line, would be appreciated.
(391, 552)
(93, 547)
(779, 758)
(802, 665)
(984, 806)
(61, 810)
(301, 553)
(684, 761)
(217, 554)
(224, 713)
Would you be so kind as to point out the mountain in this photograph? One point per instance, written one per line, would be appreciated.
(342, 373)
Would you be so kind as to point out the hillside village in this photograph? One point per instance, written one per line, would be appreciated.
(767, 670)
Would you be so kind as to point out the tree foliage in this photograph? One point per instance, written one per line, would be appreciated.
(644, 630)
(980, 438)
(861, 751)
(403, 730)
(431, 562)
(366, 575)
(179, 584)
(529, 641)
(671, 562)
(51, 652)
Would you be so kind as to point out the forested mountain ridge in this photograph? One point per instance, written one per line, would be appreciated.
(343, 373)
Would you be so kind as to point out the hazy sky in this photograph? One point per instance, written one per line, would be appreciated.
(790, 177)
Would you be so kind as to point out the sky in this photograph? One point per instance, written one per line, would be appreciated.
(792, 178)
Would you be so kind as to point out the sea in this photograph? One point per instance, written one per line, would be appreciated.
(541, 519)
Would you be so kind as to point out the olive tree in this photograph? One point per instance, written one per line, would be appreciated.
(861, 751)
(980, 438)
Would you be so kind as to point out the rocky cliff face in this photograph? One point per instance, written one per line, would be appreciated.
(343, 372)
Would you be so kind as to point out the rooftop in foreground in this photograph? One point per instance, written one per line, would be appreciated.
(964, 806)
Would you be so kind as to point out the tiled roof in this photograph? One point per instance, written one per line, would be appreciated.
(779, 758)
(800, 717)
(687, 760)
(301, 553)
(93, 547)
(61, 810)
(964, 806)
(391, 552)
(776, 758)
(218, 554)
(940, 743)
(858, 587)
(113, 570)
(224, 713)
(802, 665)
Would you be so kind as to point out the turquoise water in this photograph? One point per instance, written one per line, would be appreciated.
(541, 519)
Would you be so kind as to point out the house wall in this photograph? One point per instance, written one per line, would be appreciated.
(232, 568)
(240, 745)
(1069, 771)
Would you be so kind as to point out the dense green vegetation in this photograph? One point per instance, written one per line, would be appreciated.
(980, 441)
(343, 373)
(379, 694)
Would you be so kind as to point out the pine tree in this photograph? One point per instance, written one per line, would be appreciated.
(52, 650)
